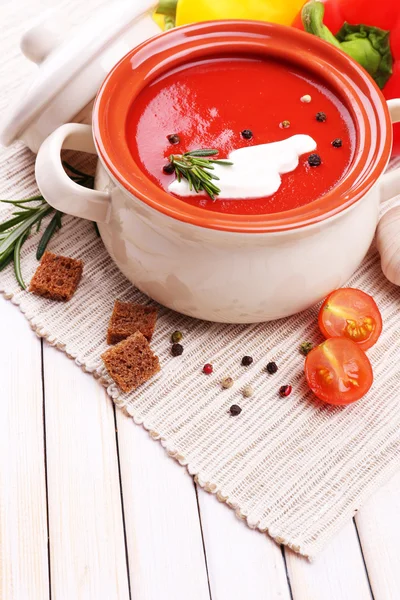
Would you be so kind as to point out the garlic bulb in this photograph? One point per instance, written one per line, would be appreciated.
(388, 243)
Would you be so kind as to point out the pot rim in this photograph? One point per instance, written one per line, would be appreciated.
(346, 78)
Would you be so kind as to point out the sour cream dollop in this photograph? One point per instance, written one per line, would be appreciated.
(256, 170)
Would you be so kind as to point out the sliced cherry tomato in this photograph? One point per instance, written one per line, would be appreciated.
(338, 371)
(353, 314)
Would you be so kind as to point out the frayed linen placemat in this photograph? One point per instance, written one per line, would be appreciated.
(293, 467)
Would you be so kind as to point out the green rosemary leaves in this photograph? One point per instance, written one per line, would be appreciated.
(30, 213)
(196, 167)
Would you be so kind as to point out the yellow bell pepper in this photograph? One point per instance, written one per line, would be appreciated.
(194, 11)
(160, 20)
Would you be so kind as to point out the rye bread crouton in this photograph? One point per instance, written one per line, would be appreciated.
(131, 362)
(56, 277)
(128, 318)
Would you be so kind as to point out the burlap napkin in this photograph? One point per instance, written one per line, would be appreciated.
(293, 467)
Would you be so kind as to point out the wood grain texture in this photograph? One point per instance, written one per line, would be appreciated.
(87, 548)
(166, 557)
(242, 563)
(23, 527)
(165, 548)
(337, 574)
(378, 523)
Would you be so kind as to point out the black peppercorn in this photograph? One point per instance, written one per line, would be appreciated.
(246, 361)
(272, 368)
(337, 143)
(168, 168)
(173, 138)
(247, 134)
(321, 117)
(176, 349)
(314, 160)
(235, 410)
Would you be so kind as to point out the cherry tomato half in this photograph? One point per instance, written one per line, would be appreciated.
(353, 314)
(338, 371)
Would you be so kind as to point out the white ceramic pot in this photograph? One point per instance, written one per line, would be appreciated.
(72, 67)
(215, 271)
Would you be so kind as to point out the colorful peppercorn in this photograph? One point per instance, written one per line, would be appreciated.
(306, 347)
(284, 125)
(248, 391)
(321, 117)
(235, 410)
(246, 361)
(337, 143)
(168, 168)
(272, 368)
(227, 383)
(176, 337)
(173, 138)
(247, 134)
(208, 369)
(306, 99)
(314, 160)
(176, 349)
(285, 390)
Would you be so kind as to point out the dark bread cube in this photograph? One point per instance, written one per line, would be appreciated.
(56, 277)
(128, 318)
(131, 362)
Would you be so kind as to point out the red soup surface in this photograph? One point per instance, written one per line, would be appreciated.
(209, 103)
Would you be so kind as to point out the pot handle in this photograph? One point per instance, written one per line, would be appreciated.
(57, 188)
(390, 182)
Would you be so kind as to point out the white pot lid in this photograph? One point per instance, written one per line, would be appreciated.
(72, 68)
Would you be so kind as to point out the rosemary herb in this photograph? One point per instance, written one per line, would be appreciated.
(195, 167)
(50, 230)
(30, 212)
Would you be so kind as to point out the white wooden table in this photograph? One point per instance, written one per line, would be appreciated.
(91, 508)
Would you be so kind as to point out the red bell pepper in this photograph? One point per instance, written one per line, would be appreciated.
(368, 31)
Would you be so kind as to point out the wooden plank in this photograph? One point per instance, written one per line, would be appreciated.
(378, 526)
(87, 547)
(242, 563)
(23, 514)
(337, 574)
(165, 549)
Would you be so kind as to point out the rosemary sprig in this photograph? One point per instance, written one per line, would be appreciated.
(195, 167)
(16, 231)
(52, 227)
(30, 212)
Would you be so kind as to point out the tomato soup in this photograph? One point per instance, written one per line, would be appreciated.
(216, 103)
